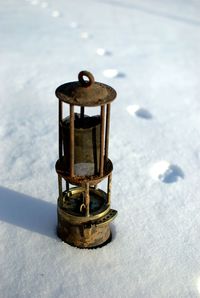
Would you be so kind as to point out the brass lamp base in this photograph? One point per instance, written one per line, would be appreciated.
(77, 229)
(84, 236)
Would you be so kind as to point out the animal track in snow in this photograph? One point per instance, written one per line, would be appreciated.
(113, 73)
(44, 4)
(55, 14)
(103, 52)
(73, 25)
(2, 131)
(136, 110)
(198, 285)
(85, 35)
(165, 172)
(34, 2)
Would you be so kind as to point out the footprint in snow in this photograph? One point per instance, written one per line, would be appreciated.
(85, 35)
(55, 14)
(136, 110)
(103, 52)
(44, 4)
(113, 73)
(73, 25)
(198, 285)
(165, 172)
(34, 2)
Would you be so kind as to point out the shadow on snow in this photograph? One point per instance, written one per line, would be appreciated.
(27, 212)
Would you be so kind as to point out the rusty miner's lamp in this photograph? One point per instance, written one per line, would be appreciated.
(84, 211)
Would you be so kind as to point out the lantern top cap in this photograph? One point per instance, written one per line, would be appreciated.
(86, 93)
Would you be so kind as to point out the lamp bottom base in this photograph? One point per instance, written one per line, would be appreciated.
(84, 236)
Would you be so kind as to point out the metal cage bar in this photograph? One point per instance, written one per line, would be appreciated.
(87, 199)
(102, 140)
(107, 131)
(82, 112)
(60, 117)
(109, 188)
(60, 190)
(71, 140)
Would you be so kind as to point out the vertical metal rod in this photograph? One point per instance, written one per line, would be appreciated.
(60, 117)
(109, 188)
(82, 113)
(87, 198)
(60, 190)
(102, 140)
(67, 185)
(71, 140)
(107, 131)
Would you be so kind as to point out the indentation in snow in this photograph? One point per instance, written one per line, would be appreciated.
(44, 4)
(34, 2)
(113, 73)
(2, 132)
(136, 110)
(103, 52)
(85, 35)
(55, 14)
(165, 172)
(73, 25)
(198, 285)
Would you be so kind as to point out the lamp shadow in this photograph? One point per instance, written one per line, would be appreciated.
(27, 212)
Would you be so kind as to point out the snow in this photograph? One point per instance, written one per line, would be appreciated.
(155, 247)
(103, 52)
(85, 35)
(74, 25)
(44, 4)
(165, 172)
(111, 73)
(136, 110)
(55, 14)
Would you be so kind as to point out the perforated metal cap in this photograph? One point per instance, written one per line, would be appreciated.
(86, 93)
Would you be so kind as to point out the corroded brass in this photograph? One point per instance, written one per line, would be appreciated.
(84, 211)
(81, 94)
(73, 224)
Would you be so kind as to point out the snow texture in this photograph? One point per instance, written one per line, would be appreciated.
(156, 236)
(103, 52)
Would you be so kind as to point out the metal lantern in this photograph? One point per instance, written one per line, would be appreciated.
(84, 211)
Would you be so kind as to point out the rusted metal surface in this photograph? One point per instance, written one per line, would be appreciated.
(79, 180)
(86, 94)
(88, 75)
(84, 211)
(107, 131)
(60, 116)
(109, 188)
(83, 236)
(71, 151)
(78, 230)
(82, 113)
(87, 199)
(69, 206)
(102, 140)
(60, 186)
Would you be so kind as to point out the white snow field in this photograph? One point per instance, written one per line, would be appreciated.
(154, 64)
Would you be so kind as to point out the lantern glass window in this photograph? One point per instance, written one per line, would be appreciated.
(86, 144)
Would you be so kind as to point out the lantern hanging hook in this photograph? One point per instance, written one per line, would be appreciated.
(87, 74)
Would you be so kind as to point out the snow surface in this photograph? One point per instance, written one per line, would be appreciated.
(155, 250)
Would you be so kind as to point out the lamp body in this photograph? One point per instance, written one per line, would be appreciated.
(84, 212)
